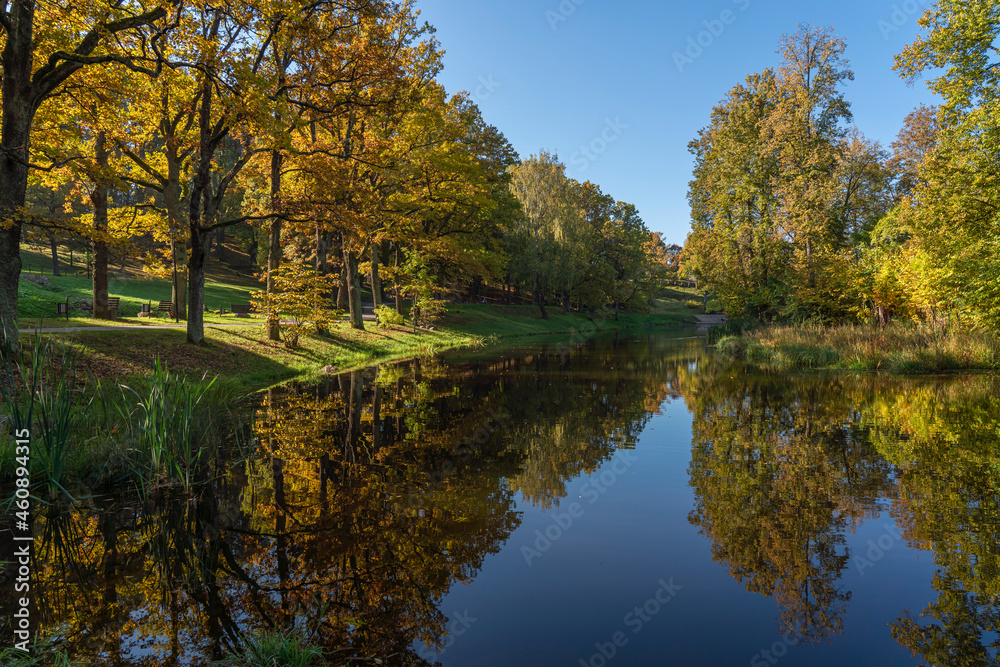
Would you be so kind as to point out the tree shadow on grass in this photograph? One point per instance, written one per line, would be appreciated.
(115, 357)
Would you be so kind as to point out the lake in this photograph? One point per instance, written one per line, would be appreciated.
(633, 500)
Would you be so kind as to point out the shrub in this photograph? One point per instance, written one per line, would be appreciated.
(387, 317)
(299, 301)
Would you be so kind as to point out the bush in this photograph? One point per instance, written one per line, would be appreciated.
(386, 317)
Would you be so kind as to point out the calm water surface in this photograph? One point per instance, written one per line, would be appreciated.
(633, 501)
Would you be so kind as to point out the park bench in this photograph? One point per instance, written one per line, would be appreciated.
(241, 310)
(113, 302)
(166, 307)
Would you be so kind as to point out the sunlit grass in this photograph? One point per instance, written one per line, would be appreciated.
(899, 348)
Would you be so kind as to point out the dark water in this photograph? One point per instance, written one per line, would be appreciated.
(637, 502)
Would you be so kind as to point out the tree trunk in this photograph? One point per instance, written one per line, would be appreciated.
(179, 287)
(196, 288)
(540, 297)
(376, 282)
(99, 198)
(178, 246)
(342, 299)
(54, 248)
(254, 245)
(321, 250)
(16, 116)
(398, 284)
(274, 246)
(565, 302)
(353, 288)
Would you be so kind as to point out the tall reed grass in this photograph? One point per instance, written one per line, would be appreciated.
(165, 426)
(161, 431)
(898, 348)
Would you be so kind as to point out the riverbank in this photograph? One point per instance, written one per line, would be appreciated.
(898, 348)
(245, 360)
(119, 388)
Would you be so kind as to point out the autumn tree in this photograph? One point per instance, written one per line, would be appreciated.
(540, 186)
(736, 248)
(39, 54)
(957, 196)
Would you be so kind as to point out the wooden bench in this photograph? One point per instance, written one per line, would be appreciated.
(113, 302)
(240, 309)
(166, 307)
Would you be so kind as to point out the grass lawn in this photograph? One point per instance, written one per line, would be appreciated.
(225, 285)
(243, 357)
(36, 301)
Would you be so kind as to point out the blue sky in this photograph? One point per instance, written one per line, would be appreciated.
(562, 75)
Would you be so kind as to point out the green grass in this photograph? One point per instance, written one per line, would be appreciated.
(509, 321)
(37, 301)
(244, 358)
(273, 649)
(899, 348)
(225, 284)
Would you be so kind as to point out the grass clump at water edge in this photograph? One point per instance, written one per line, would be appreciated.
(898, 348)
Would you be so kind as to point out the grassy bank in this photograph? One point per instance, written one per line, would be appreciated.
(899, 348)
(245, 360)
(124, 398)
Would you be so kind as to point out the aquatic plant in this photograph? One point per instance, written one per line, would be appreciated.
(166, 425)
(273, 649)
(40, 390)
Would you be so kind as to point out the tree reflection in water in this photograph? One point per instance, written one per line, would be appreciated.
(783, 468)
(363, 500)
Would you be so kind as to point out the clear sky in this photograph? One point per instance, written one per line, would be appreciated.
(562, 75)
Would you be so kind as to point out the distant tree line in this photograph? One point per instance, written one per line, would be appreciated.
(796, 214)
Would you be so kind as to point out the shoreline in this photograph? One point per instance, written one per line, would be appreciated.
(898, 349)
(245, 360)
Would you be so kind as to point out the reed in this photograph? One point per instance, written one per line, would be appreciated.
(167, 426)
(41, 393)
(898, 348)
